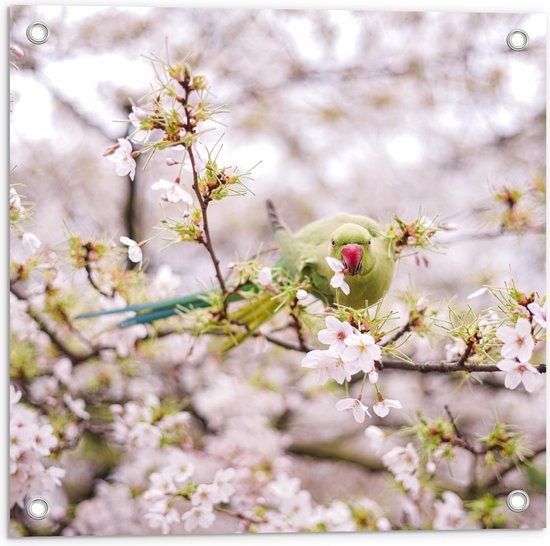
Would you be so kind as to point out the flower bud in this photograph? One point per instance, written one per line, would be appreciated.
(16, 51)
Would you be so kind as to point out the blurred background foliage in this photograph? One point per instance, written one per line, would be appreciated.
(365, 112)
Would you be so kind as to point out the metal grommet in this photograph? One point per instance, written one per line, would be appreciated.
(37, 508)
(517, 500)
(517, 39)
(38, 33)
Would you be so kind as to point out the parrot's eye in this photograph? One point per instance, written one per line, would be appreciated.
(333, 243)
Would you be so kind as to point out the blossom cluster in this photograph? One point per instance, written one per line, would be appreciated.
(448, 510)
(517, 348)
(350, 352)
(175, 498)
(31, 440)
(142, 424)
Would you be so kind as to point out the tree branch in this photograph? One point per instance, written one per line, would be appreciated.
(206, 240)
(500, 473)
(444, 366)
(56, 339)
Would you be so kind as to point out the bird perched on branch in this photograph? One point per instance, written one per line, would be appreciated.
(345, 257)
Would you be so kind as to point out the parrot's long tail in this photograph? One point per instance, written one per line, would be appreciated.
(277, 224)
(155, 310)
(249, 316)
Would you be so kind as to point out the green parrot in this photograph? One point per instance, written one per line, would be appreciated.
(345, 257)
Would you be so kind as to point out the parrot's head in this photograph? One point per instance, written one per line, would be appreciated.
(351, 244)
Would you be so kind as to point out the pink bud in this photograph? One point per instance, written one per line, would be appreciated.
(171, 162)
(17, 51)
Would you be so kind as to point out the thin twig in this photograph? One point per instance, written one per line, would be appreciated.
(56, 339)
(206, 240)
(500, 473)
(398, 335)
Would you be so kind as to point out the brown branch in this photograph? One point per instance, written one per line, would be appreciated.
(444, 367)
(297, 325)
(500, 473)
(423, 367)
(501, 232)
(286, 344)
(206, 240)
(333, 451)
(459, 439)
(239, 515)
(398, 335)
(467, 352)
(56, 339)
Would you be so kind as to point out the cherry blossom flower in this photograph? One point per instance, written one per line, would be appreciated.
(161, 516)
(137, 115)
(539, 314)
(361, 352)
(223, 480)
(135, 254)
(15, 201)
(198, 516)
(164, 480)
(376, 437)
(174, 192)
(62, 370)
(383, 405)
(336, 333)
(145, 435)
(519, 372)
(281, 488)
(121, 156)
(76, 406)
(449, 512)
(158, 520)
(409, 481)
(181, 468)
(338, 280)
(518, 342)
(330, 365)
(44, 440)
(265, 277)
(207, 494)
(44, 388)
(355, 406)
(31, 243)
(401, 460)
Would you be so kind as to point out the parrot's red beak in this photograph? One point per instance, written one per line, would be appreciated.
(352, 255)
